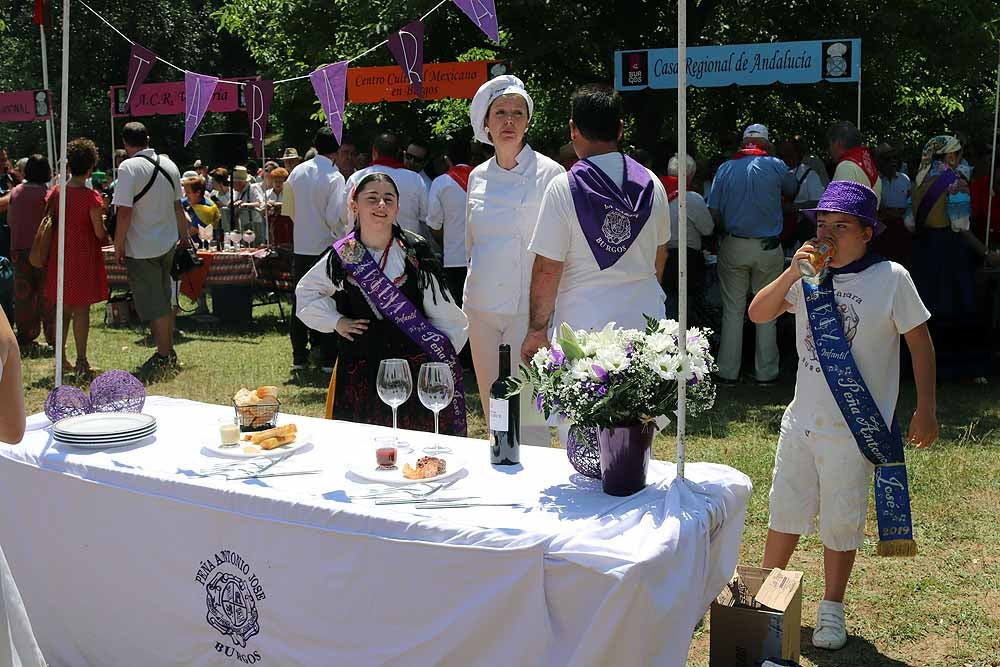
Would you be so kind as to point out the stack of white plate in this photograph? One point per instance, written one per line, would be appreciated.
(104, 429)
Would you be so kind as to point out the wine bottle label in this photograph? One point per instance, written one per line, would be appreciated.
(499, 411)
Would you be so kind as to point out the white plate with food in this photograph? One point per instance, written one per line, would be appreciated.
(410, 464)
(273, 442)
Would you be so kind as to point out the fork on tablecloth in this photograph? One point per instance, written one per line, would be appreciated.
(412, 492)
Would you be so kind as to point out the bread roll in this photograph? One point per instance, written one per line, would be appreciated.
(279, 441)
(279, 432)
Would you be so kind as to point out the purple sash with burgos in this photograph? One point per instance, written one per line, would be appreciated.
(611, 217)
(393, 305)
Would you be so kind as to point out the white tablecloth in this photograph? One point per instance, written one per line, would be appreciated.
(123, 557)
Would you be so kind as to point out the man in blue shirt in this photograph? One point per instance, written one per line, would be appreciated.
(746, 204)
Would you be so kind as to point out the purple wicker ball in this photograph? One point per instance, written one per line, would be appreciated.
(583, 451)
(117, 391)
(66, 401)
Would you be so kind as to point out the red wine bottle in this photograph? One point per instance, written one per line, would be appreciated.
(505, 417)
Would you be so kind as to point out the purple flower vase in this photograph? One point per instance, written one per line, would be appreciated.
(624, 458)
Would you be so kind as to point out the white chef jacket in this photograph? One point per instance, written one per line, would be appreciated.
(625, 292)
(317, 186)
(500, 216)
(317, 309)
(446, 211)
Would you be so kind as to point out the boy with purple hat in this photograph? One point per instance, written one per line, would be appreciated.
(840, 428)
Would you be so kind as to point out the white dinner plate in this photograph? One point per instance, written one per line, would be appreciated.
(133, 435)
(100, 424)
(214, 448)
(106, 445)
(367, 469)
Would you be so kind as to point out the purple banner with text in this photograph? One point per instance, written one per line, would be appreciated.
(330, 84)
(198, 89)
(407, 47)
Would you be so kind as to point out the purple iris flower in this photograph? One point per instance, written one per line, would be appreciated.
(602, 391)
(538, 402)
(601, 374)
(557, 356)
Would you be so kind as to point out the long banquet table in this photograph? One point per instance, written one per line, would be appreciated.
(125, 557)
(262, 268)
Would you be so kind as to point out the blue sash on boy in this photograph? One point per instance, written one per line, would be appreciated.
(611, 217)
(878, 443)
(393, 305)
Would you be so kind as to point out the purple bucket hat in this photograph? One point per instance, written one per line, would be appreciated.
(850, 198)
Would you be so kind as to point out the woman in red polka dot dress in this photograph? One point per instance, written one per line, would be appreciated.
(85, 281)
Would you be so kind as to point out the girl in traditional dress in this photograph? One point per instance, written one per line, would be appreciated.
(382, 290)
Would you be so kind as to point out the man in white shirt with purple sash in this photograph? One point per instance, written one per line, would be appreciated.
(600, 242)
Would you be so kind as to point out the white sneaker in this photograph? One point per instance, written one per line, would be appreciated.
(831, 631)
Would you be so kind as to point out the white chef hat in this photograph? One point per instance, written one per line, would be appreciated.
(489, 91)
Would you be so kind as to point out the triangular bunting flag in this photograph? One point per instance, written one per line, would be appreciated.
(330, 84)
(407, 47)
(484, 14)
(140, 62)
(258, 95)
(198, 91)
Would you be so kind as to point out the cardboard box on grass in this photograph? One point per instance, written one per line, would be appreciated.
(758, 615)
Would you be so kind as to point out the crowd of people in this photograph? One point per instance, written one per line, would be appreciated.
(506, 242)
(744, 221)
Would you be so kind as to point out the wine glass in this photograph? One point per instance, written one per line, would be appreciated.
(394, 384)
(436, 389)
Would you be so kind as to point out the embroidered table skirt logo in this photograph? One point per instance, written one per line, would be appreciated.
(232, 592)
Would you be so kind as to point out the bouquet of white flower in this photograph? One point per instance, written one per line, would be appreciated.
(622, 377)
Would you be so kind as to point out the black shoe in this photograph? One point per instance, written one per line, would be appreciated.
(726, 382)
(157, 366)
(765, 383)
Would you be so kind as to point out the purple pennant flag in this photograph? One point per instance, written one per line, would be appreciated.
(330, 84)
(484, 14)
(259, 95)
(198, 91)
(407, 47)
(140, 62)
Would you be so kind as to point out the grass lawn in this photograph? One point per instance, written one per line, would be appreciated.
(941, 608)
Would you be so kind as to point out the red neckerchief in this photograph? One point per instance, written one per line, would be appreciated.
(386, 162)
(460, 174)
(862, 157)
(385, 260)
(670, 184)
(750, 150)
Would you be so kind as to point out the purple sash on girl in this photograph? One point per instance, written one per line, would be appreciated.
(393, 305)
(610, 217)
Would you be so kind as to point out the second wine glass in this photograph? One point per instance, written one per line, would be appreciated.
(436, 389)
(394, 385)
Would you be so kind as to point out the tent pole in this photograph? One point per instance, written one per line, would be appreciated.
(993, 157)
(61, 179)
(859, 97)
(49, 131)
(682, 177)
